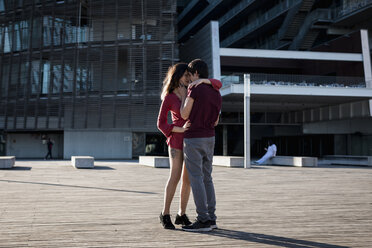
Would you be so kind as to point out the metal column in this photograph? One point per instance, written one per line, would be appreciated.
(247, 121)
(224, 140)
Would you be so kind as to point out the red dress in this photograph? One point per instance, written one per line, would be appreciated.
(172, 103)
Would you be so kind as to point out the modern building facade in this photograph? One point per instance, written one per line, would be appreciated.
(309, 66)
(85, 73)
(88, 73)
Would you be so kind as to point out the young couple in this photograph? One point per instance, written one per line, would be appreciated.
(195, 103)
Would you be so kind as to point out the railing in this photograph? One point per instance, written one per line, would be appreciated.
(348, 7)
(324, 15)
(259, 21)
(234, 11)
(288, 20)
(295, 80)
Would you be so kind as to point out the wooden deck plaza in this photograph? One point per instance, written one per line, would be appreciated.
(52, 204)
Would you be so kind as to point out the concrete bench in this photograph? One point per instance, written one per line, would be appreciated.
(294, 161)
(234, 161)
(154, 161)
(82, 162)
(228, 161)
(7, 162)
(348, 160)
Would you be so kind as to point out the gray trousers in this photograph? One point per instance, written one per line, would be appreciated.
(198, 155)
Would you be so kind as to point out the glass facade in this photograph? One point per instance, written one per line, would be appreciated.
(88, 64)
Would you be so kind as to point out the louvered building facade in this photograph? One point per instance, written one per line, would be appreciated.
(85, 73)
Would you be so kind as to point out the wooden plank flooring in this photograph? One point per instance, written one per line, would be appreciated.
(51, 204)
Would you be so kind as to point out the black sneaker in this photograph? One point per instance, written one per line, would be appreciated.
(166, 221)
(198, 226)
(213, 224)
(182, 220)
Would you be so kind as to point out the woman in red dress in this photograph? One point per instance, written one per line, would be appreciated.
(174, 86)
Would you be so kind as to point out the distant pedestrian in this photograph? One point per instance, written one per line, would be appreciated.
(270, 152)
(50, 147)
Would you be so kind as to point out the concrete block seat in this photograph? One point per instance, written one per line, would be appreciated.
(85, 162)
(7, 162)
(154, 161)
(348, 160)
(229, 161)
(234, 161)
(294, 161)
(163, 162)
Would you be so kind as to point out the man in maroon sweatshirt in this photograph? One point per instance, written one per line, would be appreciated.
(201, 106)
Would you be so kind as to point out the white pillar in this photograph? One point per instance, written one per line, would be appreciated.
(247, 121)
(215, 47)
(366, 62)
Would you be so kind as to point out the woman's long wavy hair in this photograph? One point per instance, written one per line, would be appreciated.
(172, 79)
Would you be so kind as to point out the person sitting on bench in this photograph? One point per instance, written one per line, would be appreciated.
(270, 152)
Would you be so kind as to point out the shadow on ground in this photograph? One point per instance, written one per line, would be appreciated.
(78, 186)
(269, 239)
(99, 167)
(18, 168)
(336, 166)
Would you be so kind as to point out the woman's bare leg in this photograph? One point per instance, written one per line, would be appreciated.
(185, 191)
(176, 162)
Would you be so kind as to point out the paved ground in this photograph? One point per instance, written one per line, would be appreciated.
(51, 204)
